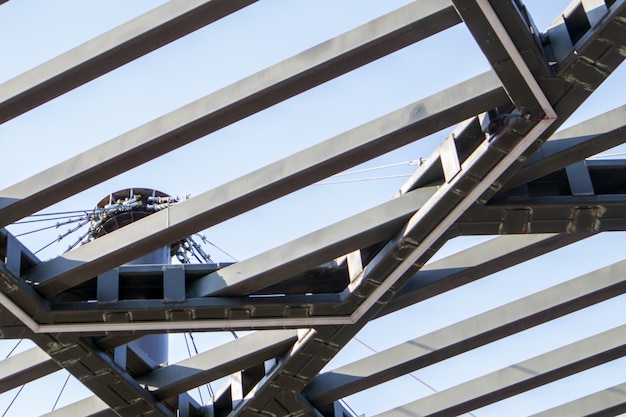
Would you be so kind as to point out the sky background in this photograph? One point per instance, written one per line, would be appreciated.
(261, 35)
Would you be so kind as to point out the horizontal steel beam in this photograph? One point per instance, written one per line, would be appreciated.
(379, 136)
(518, 378)
(495, 324)
(108, 51)
(259, 91)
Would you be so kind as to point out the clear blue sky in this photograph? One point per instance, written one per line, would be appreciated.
(32, 32)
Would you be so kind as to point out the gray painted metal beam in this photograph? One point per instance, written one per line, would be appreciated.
(277, 179)
(518, 378)
(609, 402)
(90, 406)
(108, 51)
(200, 369)
(573, 144)
(259, 91)
(270, 267)
(25, 367)
(218, 362)
(390, 269)
(578, 73)
(485, 28)
(495, 324)
(474, 263)
(98, 372)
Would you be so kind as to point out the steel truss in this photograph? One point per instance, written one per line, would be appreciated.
(505, 170)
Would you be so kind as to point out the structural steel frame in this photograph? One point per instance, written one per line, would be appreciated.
(505, 171)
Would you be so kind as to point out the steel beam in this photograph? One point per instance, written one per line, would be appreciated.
(579, 71)
(474, 263)
(259, 91)
(87, 407)
(219, 362)
(108, 51)
(573, 144)
(518, 378)
(487, 26)
(609, 402)
(442, 344)
(270, 267)
(25, 367)
(102, 376)
(200, 369)
(266, 184)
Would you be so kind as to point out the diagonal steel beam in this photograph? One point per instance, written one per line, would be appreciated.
(98, 372)
(266, 184)
(474, 263)
(498, 323)
(518, 378)
(219, 362)
(573, 144)
(90, 406)
(108, 51)
(25, 367)
(270, 267)
(609, 402)
(259, 91)
(200, 369)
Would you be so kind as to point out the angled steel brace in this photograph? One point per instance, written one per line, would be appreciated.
(259, 91)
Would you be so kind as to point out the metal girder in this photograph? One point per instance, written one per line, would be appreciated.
(177, 378)
(474, 263)
(90, 406)
(406, 256)
(517, 316)
(268, 268)
(577, 73)
(518, 378)
(25, 367)
(606, 403)
(485, 20)
(399, 259)
(108, 51)
(573, 144)
(268, 183)
(219, 362)
(597, 210)
(259, 91)
(102, 376)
